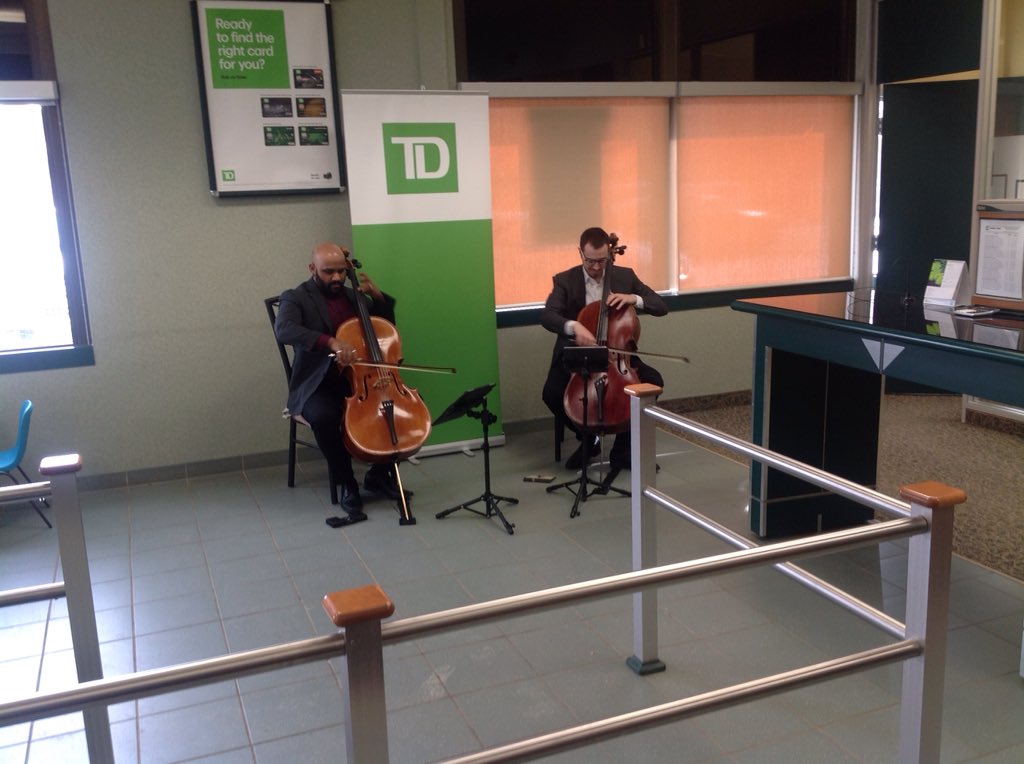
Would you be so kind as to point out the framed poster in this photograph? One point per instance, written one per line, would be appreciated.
(266, 82)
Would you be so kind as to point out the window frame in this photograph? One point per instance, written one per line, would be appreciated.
(43, 90)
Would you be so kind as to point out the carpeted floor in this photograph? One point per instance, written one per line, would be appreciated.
(922, 438)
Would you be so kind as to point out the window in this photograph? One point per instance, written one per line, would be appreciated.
(765, 189)
(43, 315)
(560, 165)
(759, 193)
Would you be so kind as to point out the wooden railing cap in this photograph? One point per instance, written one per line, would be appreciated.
(932, 493)
(642, 389)
(364, 603)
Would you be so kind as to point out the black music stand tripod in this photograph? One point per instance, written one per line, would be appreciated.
(465, 405)
(584, 361)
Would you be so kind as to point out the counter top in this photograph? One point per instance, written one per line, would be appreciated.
(872, 312)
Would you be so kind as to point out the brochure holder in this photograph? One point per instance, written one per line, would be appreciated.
(947, 284)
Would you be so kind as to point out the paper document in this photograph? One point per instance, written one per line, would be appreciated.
(1001, 259)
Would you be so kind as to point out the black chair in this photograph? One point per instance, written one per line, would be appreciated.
(294, 420)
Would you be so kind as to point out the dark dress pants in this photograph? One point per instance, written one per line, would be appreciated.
(324, 411)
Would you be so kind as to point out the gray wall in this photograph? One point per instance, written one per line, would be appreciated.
(186, 369)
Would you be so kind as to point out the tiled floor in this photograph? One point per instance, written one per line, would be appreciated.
(188, 570)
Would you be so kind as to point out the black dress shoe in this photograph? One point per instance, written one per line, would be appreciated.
(575, 461)
(350, 518)
(350, 499)
(384, 483)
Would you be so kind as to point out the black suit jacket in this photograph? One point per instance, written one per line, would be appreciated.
(569, 296)
(301, 319)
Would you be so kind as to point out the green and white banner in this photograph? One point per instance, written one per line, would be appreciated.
(420, 195)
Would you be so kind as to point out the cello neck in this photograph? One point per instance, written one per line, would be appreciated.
(359, 303)
(606, 288)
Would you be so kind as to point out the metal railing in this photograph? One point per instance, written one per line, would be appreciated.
(929, 554)
(927, 519)
(62, 490)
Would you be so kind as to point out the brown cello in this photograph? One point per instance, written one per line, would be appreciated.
(385, 421)
(597, 401)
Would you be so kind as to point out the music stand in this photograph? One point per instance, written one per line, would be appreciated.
(464, 405)
(585, 360)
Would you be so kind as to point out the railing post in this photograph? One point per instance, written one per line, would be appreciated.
(360, 612)
(927, 620)
(62, 472)
(643, 471)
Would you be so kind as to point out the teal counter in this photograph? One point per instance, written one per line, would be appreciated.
(820, 363)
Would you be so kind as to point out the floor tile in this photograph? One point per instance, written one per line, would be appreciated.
(599, 690)
(165, 648)
(211, 728)
(293, 708)
(248, 597)
(480, 664)
(325, 745)
(159, 586)
(555, 649)
(270, 627)
(175, 612)
(411, 680)
(234, 547)
(260, 568)
(513, 712)
(149, 562)
(409, 739)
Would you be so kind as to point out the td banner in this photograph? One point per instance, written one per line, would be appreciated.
(420, 195)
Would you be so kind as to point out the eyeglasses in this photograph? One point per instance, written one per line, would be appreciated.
(594, 260)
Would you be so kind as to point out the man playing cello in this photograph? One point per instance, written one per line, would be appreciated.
(308, 319)
(572, 291)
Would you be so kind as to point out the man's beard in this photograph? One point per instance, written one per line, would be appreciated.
(332, 289)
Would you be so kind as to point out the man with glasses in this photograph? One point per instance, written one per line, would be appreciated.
(572, 291)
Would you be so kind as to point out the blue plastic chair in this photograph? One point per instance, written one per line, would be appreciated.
(10, 459)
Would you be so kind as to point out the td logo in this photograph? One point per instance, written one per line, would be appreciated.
(420, 158)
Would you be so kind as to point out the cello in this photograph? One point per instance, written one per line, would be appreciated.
(597, 402)
(385, 421)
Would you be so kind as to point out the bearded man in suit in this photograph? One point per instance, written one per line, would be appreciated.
(308, 319)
